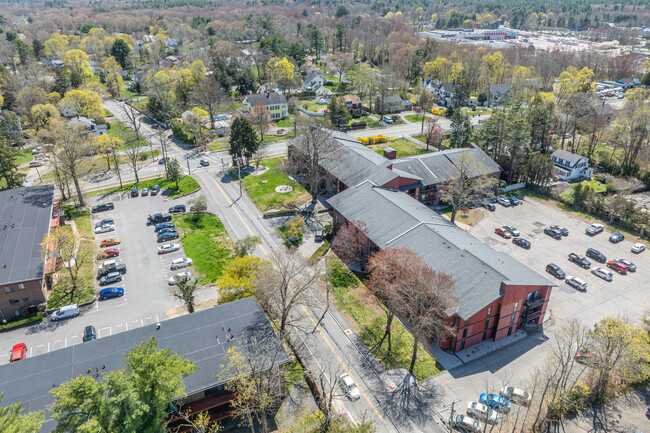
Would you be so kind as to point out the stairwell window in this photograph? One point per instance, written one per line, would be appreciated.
(516, 306)
(489, 312)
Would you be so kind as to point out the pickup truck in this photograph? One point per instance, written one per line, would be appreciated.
(121, 268)
(158, 218)
(594, 229)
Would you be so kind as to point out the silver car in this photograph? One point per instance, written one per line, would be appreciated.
(482, 412)
(602, 273)
(515, 395)
(349, 388)
(466, 423)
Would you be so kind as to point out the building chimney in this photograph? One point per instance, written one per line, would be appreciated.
(390, 153)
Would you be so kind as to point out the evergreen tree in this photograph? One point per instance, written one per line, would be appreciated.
(121, 50)
(243, 141)
(337, 113)
(8, 167)
(461, 130)
(174, 172)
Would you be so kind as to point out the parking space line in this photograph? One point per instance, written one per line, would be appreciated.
(30, 351)
(48, 347)
(65, 344)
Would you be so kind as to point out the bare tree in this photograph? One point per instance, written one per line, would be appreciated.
(260, 154)
(261, 117)
(133, 147)
(434, 133)
(632, 129)
(185, 291)
(208, 94)
(73, 252)
(306, 154)
(341, 61)
(324, 375)
(469, 184)
(285, 284)
(349, 242)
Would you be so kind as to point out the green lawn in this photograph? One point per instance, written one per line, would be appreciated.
(286, 123)
(422, 138)
(275, 138)
(186, 185)
(120, 130)
(403, 147)
(477, 111)
(369, 313)
(263, 193)
(207, 244)
(594, 185)
(24, 156)
(218, 145)
(312, 106)
(370, 122)
(414, 118)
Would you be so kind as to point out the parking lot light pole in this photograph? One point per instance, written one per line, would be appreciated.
(183, 222)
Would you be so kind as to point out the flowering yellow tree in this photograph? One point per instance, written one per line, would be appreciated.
(82, 103)
(56, 45)
(76, 61)
(42, 114)
(106, 146)
(282, 71)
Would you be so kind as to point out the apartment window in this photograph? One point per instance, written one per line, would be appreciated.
(509, 331)
(464, 332)
(487, 324)
(489, 313)
(21, 286)
(9, 289)
(516, 306)
(25, 298)
(14, 301)
(512, 319)
(533, 296)
(462, 345)
(467, 322)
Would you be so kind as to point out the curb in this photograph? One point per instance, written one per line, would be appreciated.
(47, 312)
(184, 195)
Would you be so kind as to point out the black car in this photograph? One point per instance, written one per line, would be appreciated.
(167, 237)
(105, 222)
(205, 163)
(166, 230)
(113, 277)
(492, 200)
(596, 255)
(121, 268)
(563, 230)
(555, 270)
(579, 260)
(162, 161)
(134, 192)
(161, 226)
(89, 333)
(102, 207)
(177, 209)
(513, 201)
(155, 190)
(554, 233)
(489, 206)
(159, 218)
(521, 242)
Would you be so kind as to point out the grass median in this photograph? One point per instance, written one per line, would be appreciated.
(261, 189)
(207, 243)
(168, 189)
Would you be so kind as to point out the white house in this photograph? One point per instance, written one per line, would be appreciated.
(569, 166)
(89, 124)
(313, 80)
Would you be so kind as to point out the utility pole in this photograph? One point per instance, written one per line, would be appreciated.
(240, 187)
(327, 283)
(39, 174)
(188, 165)
(451, 415)
(183, 222)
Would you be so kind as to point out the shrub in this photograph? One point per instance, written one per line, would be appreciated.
(566, 197)
(295, 227)
(363, 141)
(183, 131)
(376, 139)
(15, 322)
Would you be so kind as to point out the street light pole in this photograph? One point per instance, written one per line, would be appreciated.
(39, 174)
(188, 165)
(183, 222)
(240, 187)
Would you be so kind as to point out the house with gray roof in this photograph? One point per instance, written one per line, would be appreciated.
(496, 294)
(570, 166)
(275, 103)
(392, 104)
(498, 94)
(313, 81)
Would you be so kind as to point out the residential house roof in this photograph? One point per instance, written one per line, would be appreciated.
(438, 167)
(396, 220)
(352, 99)
(497, 89)
(203, 337)
(271, 98)
(393, 99)
(310, 77)
(25, 215)
(571, 158)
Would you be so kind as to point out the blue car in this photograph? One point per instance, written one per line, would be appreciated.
(616, 238)
(496, 402)
(111, 292)
(161, 226)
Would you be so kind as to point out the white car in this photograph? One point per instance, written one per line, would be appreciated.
(577, 283)
(515, 395)
(466, 423)
(602, 273)
(482, 412)
(105, 229)
(503, 201)
(35, 163)
(181, 263)
(350, 389)
(638, 248)
(594, 229)
(173, 280)
(168, 248)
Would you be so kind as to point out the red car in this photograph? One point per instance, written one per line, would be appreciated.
(621, 268)
(112, 252)
(586, 357)
(502, 232)
(18, 352)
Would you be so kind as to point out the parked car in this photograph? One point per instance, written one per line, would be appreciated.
(496, 402)
(162, 226)
(319, 235)
(90, 333)
(168, 248)
(109, 242)
(166, 230)
(388, 120)
(159, 218)
(602, 273)
(111, 292)
(167, 237)
(502, 232)
(512, 229)
(555, 270)
(181, 263)
(162, 161)
(145, 191)
(105, 270)
(577, 283)
(514, 201)
(594, 229)
(18, 352)
(515, 395)
(596, 255)
(617, 266)
(65, 312)
(155, 190)
(481, 412)
(554, 233)
(205, 163)
(586, 357)
(111, 252)
(616, 238)
(105, 222)
(524, 243)
(177, 209)
(631, 267)
(175, 278)
(579, 260)
(489, 206)
(104, 229)
(102, 207)
(563, 230)
(134, 192)
(349, 388)
(35, 163)
(466, 423)
(638, 248)
(503, 201)
(113, 277)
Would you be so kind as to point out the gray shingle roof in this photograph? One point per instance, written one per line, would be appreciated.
(311, 77)
(396, 220)
(567, 156)
(266, 99)
(499, 88)
(202, 337)
(25, 215)
(439, 167)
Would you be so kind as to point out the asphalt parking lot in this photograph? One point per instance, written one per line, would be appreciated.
(147, 296)
(624, 295)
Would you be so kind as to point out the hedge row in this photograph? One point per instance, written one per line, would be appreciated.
(21, 321)
(375, 139)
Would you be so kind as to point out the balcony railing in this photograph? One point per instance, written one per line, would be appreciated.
(534, 303)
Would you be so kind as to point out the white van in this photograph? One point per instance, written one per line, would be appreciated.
(65, 312)
(108, 263)
(181, 263)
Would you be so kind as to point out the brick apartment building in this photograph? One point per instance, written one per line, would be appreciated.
(26, 215)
